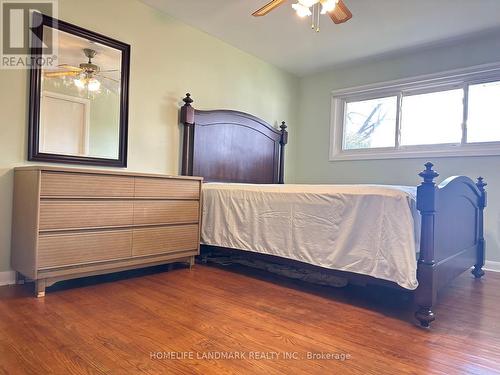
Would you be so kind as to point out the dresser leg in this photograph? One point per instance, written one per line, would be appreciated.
(191, 262)
(40, 288)
(20, 278)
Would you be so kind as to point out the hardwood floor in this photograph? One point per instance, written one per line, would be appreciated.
(94, 327)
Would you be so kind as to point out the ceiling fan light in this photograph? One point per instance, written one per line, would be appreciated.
(327, 6)
(308, 3)
(79, 83)
(302, 11)
(93, 85)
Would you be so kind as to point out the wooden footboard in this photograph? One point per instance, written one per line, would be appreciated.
(452, 239)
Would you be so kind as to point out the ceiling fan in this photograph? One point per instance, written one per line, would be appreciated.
(336, 9)
(85, 75)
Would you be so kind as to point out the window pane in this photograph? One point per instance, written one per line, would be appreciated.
(432, 118)
(483, 124)
(370, 123)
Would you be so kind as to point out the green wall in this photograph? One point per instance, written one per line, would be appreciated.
(313, 132)
(168, 59)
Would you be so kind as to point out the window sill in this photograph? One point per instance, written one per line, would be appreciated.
(418, 152)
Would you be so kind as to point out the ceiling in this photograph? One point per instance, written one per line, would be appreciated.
(378, 27)
(70, 51)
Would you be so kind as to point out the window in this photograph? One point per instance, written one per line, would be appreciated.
(370, 123)
(451, 114)
(432, 118)
(483, 118)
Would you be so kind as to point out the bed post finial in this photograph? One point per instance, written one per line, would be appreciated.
(283, 142)
(426, 293)
(477, 271)
(284, 134)
(187, 99)
(481, 184)
(187, 119)
(428, 174)
(187, 111)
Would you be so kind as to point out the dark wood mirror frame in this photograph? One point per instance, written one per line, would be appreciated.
(35, 94)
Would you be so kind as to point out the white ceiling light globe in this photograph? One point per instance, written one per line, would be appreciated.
(328, 6)
(301, 10)
(94, 85)
(308, 3)
(79, 83)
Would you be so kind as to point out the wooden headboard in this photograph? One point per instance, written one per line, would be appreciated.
(231, 146)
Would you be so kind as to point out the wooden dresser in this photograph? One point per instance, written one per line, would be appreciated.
(70, 223)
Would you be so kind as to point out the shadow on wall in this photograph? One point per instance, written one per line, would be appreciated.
(172, 110)
(6, 198)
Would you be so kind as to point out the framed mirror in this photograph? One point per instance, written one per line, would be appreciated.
(79, 102)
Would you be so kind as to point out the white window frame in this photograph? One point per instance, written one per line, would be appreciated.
(448, 80)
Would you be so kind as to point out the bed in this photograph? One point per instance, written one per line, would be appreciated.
(431, 233)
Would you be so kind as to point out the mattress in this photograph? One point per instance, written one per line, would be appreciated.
(365, 229)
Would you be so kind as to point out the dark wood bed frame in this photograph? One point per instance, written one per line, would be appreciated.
(231, 146)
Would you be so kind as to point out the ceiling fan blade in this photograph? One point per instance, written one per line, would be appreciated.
(60, 74)
(341, 13)
(111, 79)
(111, 86)
(268, 7)
(70, 67)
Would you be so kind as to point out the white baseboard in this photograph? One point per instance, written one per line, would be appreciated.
(492, 266)
(7, 278)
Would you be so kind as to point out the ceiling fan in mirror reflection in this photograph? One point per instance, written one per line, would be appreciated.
(86, 76)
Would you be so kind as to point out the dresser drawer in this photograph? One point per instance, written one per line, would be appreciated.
(78, 214)
(166, 212)
(59, 184)
(166, 188)
(71, 249)
(150, 241)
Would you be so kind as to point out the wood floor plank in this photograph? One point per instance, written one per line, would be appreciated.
(92, 326)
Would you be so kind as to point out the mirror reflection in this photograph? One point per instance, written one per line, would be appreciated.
(80, 99)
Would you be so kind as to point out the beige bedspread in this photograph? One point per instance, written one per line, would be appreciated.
(367, 229)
